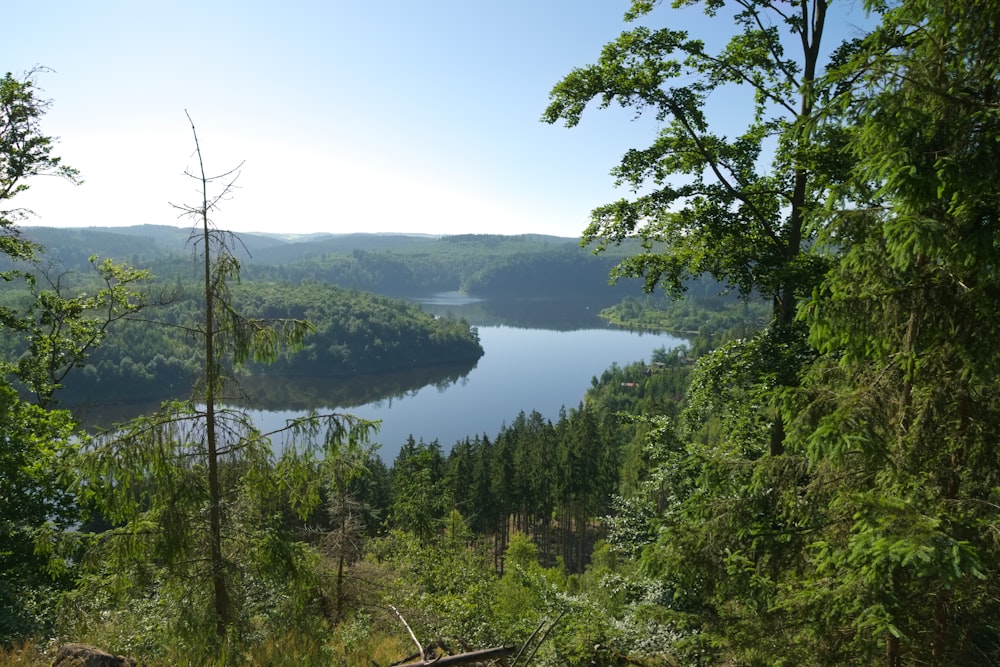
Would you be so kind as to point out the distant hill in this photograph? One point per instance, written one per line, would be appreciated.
(135, 244)
(138, 243)
(489, 265)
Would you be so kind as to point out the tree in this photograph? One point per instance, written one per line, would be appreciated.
(34, 502)
(587, 476)
(872, 539)
(24, 152)
(62, 329)
(349, 518)
(735, 208)
(199, 498)
(733, 526)
(420, 495)
(903, 411)
(54, 333)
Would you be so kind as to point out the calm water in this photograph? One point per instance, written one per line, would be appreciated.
(523, 369)
(539, 355)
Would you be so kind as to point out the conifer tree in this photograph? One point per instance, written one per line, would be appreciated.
(200, 498)
(904, 411)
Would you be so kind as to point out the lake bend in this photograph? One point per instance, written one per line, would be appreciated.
(522, 369)
(538, 355)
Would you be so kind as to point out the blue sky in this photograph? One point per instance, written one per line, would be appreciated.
(392, 116)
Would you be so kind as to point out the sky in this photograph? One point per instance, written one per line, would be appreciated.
(391, 116)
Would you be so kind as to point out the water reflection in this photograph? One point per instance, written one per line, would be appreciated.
(450, 299)
(538, 351)
(522, 370)
(294, 394)
(306, 393)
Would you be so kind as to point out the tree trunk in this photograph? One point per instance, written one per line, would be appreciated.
(940, 641)
(785, 299)
(216, 562)
(892, 652)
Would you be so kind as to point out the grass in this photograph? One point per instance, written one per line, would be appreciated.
(290, 650)
(27, 654)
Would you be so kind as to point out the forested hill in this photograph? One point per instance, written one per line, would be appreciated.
(355, 333)
(391, 264)
(149, 242)
(343, 284)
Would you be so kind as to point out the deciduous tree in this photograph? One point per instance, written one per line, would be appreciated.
(25, 152)
(54, 333)
(732, 206)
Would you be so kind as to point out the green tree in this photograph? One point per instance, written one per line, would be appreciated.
(872, 540)
(732, 207)
(586, 479)
(51, 332)
(25, 151)
(484, 511)
(349, 518)
(460, 475)
(904, 412)
(33, 502)
(59, 329)
(201, 500)
(420, 494)
(63, 329)
(731, 523)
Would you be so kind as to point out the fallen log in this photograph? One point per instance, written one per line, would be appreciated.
(482, 655)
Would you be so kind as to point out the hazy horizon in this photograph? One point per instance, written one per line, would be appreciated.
(408, 116)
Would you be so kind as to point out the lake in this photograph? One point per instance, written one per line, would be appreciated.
(543, 359)
(522, 369)
(539, 355)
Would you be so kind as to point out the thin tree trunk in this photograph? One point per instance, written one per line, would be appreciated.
(785, 300)
(217, 563)
(940, 642)
(892, 651)
(339, 600)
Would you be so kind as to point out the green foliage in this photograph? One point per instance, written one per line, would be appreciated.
(701, 315)
(359, 332)
(352, 333)
(731, 207)
(149, 480)
(821, 490)
(419, 498)
(871, 538)
(24, 152)
(63, 330)
(202, 503)
(32, 447)
(443, 592)
(52, 333)
(521, 552)
(712, 205)
(397, 265)
(903, 407)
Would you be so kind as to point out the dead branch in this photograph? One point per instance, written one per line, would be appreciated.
(423, 656)
(540, 641)
(482, 655)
